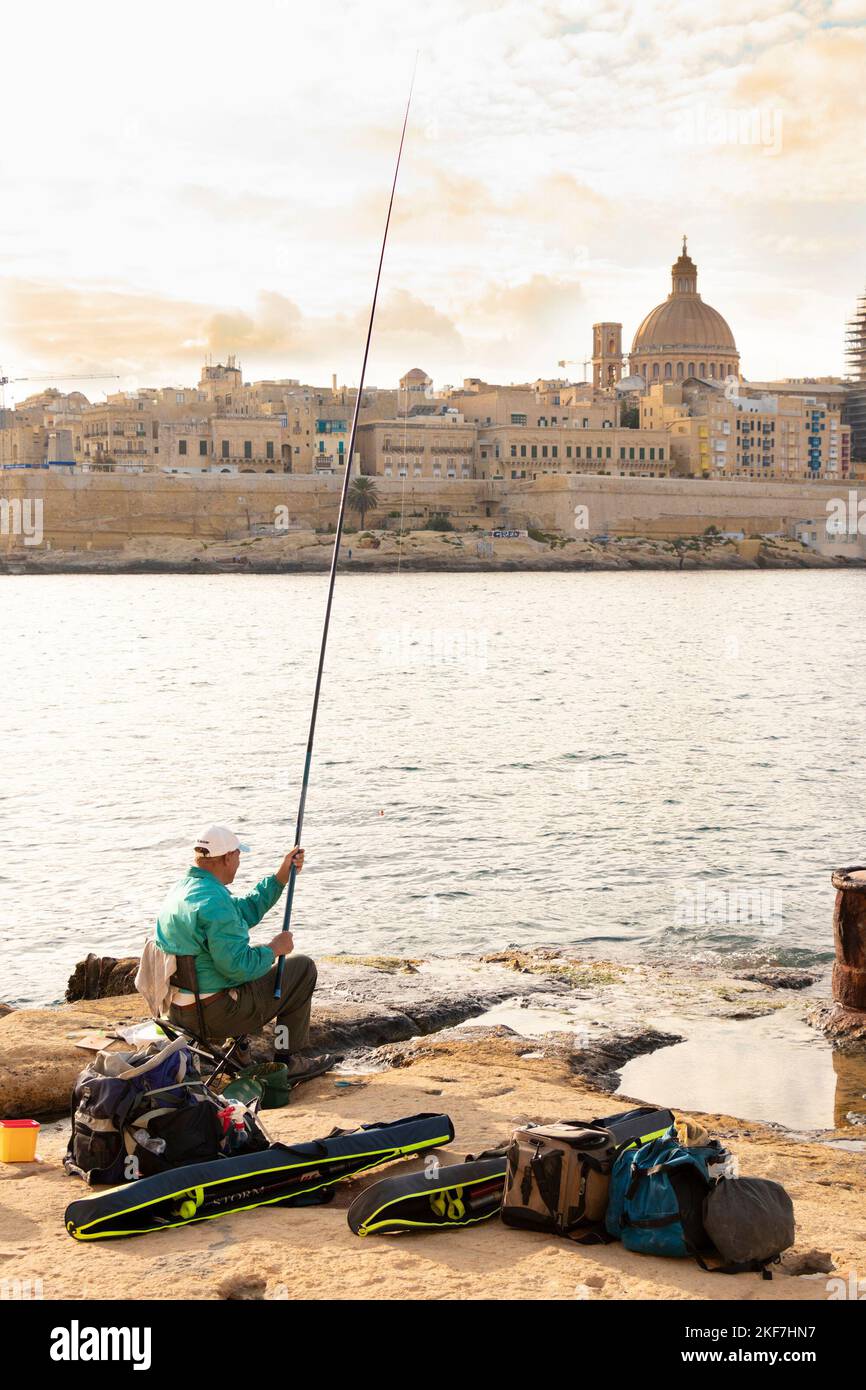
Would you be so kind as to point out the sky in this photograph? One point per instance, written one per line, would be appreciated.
(188, 179)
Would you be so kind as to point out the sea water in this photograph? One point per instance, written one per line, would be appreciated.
(621, 764)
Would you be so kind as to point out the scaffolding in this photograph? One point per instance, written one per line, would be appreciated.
(855, 352)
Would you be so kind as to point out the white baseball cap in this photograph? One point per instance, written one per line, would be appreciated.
(219, 840)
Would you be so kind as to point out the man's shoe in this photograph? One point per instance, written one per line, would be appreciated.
(301, 1068)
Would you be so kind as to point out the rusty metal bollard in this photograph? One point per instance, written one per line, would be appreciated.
(849, 936)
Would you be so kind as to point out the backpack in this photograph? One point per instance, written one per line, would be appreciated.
(557, 1179)
(657, 1194)
(135, 1114)
(750, 1222)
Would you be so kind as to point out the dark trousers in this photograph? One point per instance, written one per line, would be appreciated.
(255, 1006)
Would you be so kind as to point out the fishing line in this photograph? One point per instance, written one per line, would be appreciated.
(405, 472)
(290, 891)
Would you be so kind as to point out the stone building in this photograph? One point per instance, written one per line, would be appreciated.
(539, 405)
(416, 382)
(119, 434)
(749, 432)
(222, 383)
(419, 447)
(855, 405)
(524, 451)
(249, 444)
(24, 445)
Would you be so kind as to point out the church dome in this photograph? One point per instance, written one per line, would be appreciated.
(683, 321)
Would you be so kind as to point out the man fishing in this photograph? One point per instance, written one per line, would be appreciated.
(201, 918)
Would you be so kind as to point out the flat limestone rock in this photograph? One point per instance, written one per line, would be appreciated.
(307, 1253)
(354, 1010)
(40, 1059)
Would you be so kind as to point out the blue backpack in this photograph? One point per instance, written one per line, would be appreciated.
(656, 1199)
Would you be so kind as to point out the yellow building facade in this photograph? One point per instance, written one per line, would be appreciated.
(749, 434)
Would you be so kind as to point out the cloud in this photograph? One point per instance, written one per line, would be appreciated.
(543, 185)
(817, 84)
(537, 306)
(91, 328)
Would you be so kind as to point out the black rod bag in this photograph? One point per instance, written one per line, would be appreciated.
(631, 1128)
(431, 1198)
(289, 1174)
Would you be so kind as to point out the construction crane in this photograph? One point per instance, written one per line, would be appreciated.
(75, 376)
(575, 362)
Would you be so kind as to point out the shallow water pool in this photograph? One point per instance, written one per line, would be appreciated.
(775, 1070)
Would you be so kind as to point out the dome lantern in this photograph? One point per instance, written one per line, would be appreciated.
(684, 274)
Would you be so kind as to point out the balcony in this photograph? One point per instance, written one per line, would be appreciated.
(242, 461)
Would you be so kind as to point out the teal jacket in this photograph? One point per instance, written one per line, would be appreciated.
(201, 918)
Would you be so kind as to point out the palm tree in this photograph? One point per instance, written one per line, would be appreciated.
(363, 497)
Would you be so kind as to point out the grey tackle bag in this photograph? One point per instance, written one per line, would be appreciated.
(750, 1222)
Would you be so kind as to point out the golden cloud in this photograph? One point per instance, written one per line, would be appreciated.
(817, 84)
(93, 328)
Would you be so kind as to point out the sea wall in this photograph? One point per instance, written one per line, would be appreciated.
(107, 511)
(666, 508)
(110, 512)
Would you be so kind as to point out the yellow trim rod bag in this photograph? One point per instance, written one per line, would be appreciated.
(288, 1175)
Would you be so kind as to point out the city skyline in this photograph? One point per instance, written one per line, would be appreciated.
(555, 157)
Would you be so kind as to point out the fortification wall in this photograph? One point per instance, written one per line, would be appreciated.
(665, 508)
(107, 511)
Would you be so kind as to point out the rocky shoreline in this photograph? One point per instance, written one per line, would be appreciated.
(594, 1015)
(385, 551)
(422, 1036)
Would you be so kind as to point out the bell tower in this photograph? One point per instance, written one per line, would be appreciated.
(606, 355)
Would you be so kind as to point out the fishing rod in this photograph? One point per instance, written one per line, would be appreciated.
(290, 891)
